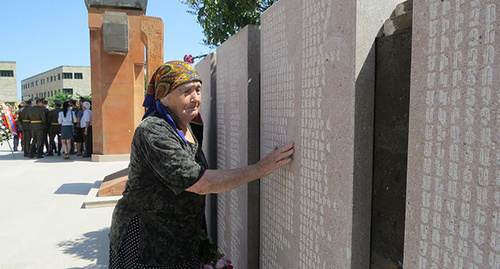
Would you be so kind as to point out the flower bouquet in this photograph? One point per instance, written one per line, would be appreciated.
(7, 125)
(210, 256)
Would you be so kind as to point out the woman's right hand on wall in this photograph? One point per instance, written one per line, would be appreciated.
(277, 158)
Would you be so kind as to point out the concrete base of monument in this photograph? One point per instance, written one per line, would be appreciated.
(93, 200)
(110, 157)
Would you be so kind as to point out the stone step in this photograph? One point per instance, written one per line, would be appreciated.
(404, 7)
(397, 24)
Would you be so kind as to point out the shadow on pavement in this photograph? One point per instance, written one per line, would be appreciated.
(74, 188)
(47, 159)
(91, 246)
(59, 159)
(11, 157)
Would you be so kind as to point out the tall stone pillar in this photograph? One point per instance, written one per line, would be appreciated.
(453, 185)
(208, 70)
(152, 37)
(318, 79)
(117, 66)
(237, 116)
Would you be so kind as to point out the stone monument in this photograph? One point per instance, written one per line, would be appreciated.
(152, 37)
(317, 68)
(117, 67)
(238, 144)
(453, 194)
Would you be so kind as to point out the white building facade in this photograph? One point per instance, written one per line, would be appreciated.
(73, 80)
(8, 82)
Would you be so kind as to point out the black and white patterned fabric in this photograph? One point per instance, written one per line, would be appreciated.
(128, 256)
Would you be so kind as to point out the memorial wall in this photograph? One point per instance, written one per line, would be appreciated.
(453, 194)
(207, 70)
(317, 71)
(238, 144)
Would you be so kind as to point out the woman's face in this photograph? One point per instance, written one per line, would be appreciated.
(184, 100)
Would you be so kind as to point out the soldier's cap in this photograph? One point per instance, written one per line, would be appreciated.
(26, 98)
(39, 98)
(57, 102)
(30, 100)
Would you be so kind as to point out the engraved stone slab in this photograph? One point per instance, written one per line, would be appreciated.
(317, 71)
(115, 32)
(453, 195)
(207, 70)
(238, 144)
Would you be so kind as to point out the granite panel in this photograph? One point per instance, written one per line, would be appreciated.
(453, 193)
(115, 32)
(317, 68)
(207, 70)
(238, 144)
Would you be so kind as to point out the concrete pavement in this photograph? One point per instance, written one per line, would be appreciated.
(42, 222)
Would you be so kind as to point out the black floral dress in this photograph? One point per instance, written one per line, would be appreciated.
(157, 223)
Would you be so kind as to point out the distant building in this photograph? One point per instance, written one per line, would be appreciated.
(63, 79)
(8, 82)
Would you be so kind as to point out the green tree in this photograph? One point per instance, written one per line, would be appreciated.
(86, 97)
(220, 19)
(63, 97)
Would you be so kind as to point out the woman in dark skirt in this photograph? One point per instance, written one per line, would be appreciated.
(66, 119)
(158, 221)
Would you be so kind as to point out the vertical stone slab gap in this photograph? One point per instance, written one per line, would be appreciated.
(390, 148)
(253, 149)
(207, 70)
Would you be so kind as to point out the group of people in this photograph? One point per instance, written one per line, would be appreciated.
(39, 127)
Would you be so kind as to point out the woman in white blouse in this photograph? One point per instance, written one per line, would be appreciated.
(66, 118)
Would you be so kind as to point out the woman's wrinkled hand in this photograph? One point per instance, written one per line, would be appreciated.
(277, 158)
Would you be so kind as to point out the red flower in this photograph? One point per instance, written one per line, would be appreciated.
(188, 59)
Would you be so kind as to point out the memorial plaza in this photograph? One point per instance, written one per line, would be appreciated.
(43, 222)
(393, 109)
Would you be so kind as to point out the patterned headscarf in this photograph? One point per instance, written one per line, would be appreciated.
(169, 76)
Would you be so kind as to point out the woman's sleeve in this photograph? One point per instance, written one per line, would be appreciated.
(172, 163)
(59, 119)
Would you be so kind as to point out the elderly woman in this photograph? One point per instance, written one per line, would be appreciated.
(158, 221)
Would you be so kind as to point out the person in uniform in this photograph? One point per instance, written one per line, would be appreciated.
(38, 118)
(54, 130)
(25, 122)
